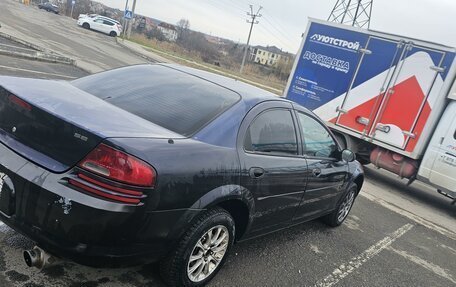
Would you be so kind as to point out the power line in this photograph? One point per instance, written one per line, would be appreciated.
(278, 35)
(273, 35)
(252, 22)
(277, 24)
(281, 36)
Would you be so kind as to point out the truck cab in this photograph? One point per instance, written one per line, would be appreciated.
(438, 167)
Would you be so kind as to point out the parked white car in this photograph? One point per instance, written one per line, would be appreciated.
(97, 15)
(100, 23)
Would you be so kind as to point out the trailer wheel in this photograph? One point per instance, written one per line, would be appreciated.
(363, 160)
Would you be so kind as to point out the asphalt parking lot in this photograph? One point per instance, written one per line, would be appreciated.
(12, 66)
(376, 246)
(396, 235)
(91, 50)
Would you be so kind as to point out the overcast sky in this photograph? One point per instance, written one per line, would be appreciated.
(283, 21)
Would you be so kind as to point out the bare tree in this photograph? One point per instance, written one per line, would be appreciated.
(183, 27)
(155, 33)
(283, 67)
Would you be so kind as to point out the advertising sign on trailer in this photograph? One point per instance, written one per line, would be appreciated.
(327, 62)
(375, 86)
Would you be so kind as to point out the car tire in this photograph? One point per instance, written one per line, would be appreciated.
(113, 34)
(208, 241)
(338, 216)
(85, 25)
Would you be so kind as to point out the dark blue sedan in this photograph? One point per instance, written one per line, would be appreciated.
(162, 163)
(48, 6)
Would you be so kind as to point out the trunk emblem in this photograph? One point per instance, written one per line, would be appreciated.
(81, 137)
(14, 129)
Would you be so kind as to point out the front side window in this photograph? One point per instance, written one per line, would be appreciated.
(272, 132)
(316, 140)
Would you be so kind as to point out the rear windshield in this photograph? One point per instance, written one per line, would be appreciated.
(172, 99)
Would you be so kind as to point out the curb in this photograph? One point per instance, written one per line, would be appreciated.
(39, 56)
(136, 52)
(40, 53)
(20, 41)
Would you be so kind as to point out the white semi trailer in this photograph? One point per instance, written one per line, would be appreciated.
(390, 99)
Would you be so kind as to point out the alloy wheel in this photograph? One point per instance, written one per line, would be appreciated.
(208, 253)
(346, 205)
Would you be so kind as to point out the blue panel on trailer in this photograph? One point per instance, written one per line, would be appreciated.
(327, 63)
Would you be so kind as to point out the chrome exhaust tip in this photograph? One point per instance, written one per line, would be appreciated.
(37, 257)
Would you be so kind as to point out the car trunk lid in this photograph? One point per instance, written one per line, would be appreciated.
(55, 124)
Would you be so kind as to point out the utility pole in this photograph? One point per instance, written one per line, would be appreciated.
(72, 7)
(132, 18)
(124, 22)
(253, 21)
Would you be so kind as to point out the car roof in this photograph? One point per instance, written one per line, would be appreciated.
(107, 18)
(250, 94)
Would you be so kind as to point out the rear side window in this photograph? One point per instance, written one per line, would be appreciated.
(162, 95)
(272, 132)
(108, 23)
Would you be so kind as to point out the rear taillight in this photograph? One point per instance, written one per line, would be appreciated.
(118, 166)
(114, 175)
(19, 102)
(104, 193)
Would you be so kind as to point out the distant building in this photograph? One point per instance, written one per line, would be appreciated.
(268, 56)
(168, 30)
(214, 39)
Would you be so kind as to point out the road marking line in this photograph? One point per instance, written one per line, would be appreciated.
(409, 215)
(37, 72)
(346, 268)
(425, 264)
(449, 248)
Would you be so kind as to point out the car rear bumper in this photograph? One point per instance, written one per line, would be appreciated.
(88, 254)
(70, 224)
(62, 245)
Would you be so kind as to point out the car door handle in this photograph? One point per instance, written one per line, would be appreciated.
(316, 172)
(256, 172)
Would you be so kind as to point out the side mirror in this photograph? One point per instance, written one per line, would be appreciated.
(348, 155)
